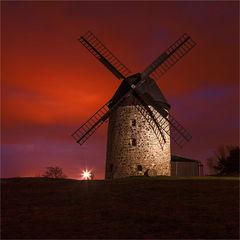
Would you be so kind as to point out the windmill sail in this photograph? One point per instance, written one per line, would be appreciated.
(162, 119)
(179, 134)
(159, 119)
(147, 114)
(167, 59)
(105, 56)
(91, 125)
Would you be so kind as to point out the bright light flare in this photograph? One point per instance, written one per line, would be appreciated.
(86, 174)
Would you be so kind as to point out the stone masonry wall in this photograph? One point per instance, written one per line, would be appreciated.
(123, 157)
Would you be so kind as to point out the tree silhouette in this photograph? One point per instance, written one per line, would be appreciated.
(54, 172)
(228, 161)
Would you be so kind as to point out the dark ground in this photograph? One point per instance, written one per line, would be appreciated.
(169, 208)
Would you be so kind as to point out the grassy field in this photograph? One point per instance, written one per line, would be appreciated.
(139, 208)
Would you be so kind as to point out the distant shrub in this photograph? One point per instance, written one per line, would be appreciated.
(54, 172)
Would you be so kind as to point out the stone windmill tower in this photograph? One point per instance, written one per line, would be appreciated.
(138, 113)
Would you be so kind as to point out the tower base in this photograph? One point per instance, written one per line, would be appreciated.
(134, 148)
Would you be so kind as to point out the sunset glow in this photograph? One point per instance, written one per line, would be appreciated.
(51, 84)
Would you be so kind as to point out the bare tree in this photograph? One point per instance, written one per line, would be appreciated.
(220, 153)
(229, 164)
(225, 160)
(54, 172)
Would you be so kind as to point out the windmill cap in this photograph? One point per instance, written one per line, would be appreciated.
(148, 88)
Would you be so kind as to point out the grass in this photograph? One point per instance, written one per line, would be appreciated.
(137, 207)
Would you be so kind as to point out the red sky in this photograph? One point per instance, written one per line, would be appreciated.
(51, 84)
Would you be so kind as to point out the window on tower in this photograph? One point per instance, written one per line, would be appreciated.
(134, 141)
(133, 122)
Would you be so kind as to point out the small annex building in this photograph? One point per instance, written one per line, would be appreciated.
(181, 166)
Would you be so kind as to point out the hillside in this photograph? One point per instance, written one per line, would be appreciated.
(129, 208)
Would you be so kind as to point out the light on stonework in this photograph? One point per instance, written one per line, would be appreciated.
(86, 174)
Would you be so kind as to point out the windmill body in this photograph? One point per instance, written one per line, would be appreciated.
(139, 119)
(134, 148)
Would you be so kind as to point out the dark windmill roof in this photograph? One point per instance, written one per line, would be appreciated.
(149, 87)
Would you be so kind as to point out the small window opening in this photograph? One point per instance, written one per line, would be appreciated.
(134, 142)
(139, 167)
(133, 122)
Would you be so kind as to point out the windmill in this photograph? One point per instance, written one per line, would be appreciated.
(138, 113)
